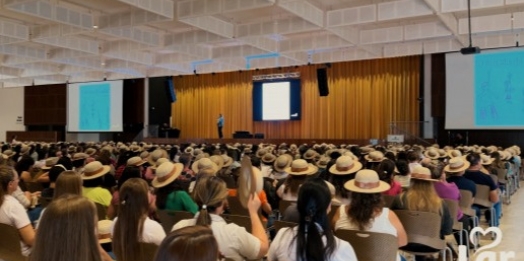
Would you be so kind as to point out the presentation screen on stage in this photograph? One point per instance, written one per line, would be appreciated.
(95, 107)
(276, 100)
(485, 91)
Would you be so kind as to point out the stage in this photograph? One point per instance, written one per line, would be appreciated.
(273, 141)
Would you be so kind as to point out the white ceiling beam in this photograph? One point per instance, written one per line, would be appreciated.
(489, 23)
(237, 51)
(93, 63)
(161, 7)
(442, 45)
(61, 53)
(147, 37)
(199, 52)
(262, 42)
(447, 20)
(340, 55)
(51, 11)
(24, 51)
(192, 38)
(173, 58)
(14, 30)
(304, 10)
(313, 42)
(402, 9)
(10, 72)
(449, 6)
(211, 24)
(133, 18)
(159, 72)
(14, 60)
(351, 16)
(196, 8)
(71, 42)
(403, 49)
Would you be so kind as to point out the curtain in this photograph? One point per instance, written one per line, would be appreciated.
(365, 97)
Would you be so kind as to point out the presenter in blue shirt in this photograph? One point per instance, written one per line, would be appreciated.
(220, 124)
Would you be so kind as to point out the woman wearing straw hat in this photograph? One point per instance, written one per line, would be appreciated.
(423, 197)
(366, 212)
(341, 172)
(93, 179)
(234, 242)
(312, 238)
(170, 190)
(297, 174)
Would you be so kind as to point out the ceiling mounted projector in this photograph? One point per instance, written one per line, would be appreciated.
(470, 50)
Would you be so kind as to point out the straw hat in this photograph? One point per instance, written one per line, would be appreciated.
(367, 181)
(260, 153)
(282, 162)
(166, 173)
(204, 163)
(442, 153)
(457, 164)
(301, 167)
(454, 153)
(218, 160)
(94, 170)
(135, 161)
(250, 181)
(155, 155)
(144, 155)
(366, 150)
(345, 165)
(310, 154)
(504, 155)
(269, 158)
(90, 151)
(374, 156)
(485, 159)
(422, 173)
(189, 150)
(432, 153)
(227, 161)
(49, 163)
(159, 162)
(9, 153)
(24, 149)
(79, 156)
(104, 231)
(134, 148)
(323, 162)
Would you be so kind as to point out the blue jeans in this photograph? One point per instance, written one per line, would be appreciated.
(498, 210)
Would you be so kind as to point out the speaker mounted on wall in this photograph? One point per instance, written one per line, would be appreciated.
(322, 81)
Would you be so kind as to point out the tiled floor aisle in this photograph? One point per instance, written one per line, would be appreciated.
(512, 227)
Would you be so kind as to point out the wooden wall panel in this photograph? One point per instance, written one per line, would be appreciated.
(45, 104)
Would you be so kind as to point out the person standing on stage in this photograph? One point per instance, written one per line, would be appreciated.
(220, 124)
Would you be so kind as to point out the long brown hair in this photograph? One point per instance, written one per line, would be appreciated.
(68, 182)
(363, 208)
(67, 230)
(195, 243)
(6, 176)
(293, 182)
(422, 196)
(132, 212)
(210, 193)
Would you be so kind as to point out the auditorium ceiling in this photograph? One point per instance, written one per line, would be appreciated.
(55, 41)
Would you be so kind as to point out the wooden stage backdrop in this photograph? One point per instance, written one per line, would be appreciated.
(364, 98)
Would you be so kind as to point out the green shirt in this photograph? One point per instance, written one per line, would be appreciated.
(181, 201)
(98, 195)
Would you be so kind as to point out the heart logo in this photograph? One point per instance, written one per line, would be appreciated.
(495, 230)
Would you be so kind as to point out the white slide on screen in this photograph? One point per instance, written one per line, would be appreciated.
(95, 107)
(485, 91)
(276, 101)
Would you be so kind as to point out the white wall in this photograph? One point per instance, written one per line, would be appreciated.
(11, 107)
(428, 120)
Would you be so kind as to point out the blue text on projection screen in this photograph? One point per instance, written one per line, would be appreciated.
(95, 107)
(499, 93)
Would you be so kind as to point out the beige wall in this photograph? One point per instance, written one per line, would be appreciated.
(11, 107)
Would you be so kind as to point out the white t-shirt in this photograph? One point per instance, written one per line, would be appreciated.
(13, 213)
(234, 242)
(152, 232)
(283, 247)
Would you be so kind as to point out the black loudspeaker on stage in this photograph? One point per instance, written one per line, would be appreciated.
(323, 89)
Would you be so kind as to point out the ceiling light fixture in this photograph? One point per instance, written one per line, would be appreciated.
(95, 26)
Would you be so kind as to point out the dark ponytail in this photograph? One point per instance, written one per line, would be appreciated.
(313, 201)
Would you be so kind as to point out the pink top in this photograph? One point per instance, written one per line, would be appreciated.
(395, 189)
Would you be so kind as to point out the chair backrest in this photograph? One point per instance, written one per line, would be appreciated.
(243, 221)
(453, 206)
(422, 227)
(501, 174)
(278, 224)
(482, 196)
(34, 186)
(388, 200)
(465, 202)
(283, 205)
(149, 250)
(235, 208)
(102, 211)
(10, 244)
(370, 246)
(332, 213)
(169, 218)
